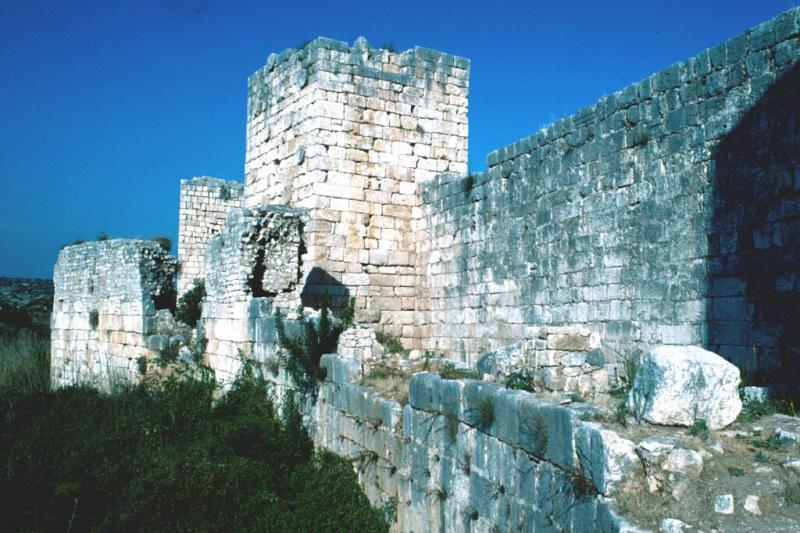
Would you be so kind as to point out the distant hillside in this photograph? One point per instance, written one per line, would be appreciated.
(22, 292)
(25, 303)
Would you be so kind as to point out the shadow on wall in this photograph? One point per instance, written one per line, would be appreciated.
(753, 304)
(317, 282)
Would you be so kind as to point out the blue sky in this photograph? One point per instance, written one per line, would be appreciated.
(105, 106)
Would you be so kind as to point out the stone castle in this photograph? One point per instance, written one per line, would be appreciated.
(667, 213)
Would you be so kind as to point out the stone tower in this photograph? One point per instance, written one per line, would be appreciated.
(349, 133)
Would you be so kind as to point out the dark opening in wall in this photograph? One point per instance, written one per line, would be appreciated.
(256, 281)
(317, 282)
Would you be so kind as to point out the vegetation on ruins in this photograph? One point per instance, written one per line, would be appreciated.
(482, 413)
(190, 306)
(699, 429)
(168, 458)
(389, 342)
(450, 371)
(534, 427)
(303, 351)
(163, 241)
(521, 379)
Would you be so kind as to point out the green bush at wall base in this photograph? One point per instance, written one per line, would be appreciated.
(168, 459)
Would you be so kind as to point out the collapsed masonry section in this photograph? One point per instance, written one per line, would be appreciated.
(348, 132)
(204, 205)
(252, 266)
(106, 295)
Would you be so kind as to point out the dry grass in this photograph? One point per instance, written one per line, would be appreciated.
(389, 383)
(25, 362)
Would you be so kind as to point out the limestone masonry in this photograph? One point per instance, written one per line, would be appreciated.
(661, 219)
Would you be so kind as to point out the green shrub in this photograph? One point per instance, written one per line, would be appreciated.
(163, 241)
(627, 373)
(169, 459)
(103, 236)
(303, 352)
(576, 397)
(482, 411)
(450, 371)
(94, 318)
(534, 428)
(621, 413)
(521, 379)
(391, 343)
(735, 471)
(168, 355)
(792, 493)
(189, 308)
(699, 429)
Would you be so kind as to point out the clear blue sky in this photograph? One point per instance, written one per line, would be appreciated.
(106, 105)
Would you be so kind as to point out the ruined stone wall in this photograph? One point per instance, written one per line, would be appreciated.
(104, 308)
(252, 267)
(434, 465)
(665, 213)
(347, 132)
(204, 205)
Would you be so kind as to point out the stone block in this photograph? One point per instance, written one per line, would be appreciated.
(546, 431)
(423, 391)
(607, 459)
(679, 385)
(339, 369)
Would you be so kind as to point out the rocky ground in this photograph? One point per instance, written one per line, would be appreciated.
(744, 476)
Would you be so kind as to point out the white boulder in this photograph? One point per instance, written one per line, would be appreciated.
(678, 385)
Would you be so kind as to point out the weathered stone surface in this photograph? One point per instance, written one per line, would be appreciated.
(787, 429)
(751, 504)
(503, 361)
(607, 459)
(104, 310)
(679, 385)
(792, 463)
(204, 206)
(683, 461)
(723, 504)
(672, 525)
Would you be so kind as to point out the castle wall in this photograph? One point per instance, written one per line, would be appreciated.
(665, 213)
(347, 132)
(433, 466)
(252, 266)
(104, 308)
(204, 204)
